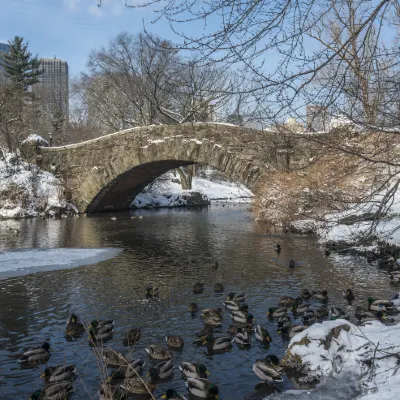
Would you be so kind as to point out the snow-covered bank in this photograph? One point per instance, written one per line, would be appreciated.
(367, 354)
(28, 261)
(27, 191)
(167, 192)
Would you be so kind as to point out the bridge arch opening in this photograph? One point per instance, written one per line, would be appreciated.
(119, 194)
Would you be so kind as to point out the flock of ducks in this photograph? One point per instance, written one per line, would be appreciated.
(125, 378)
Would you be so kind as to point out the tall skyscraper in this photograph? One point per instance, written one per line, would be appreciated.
(54, 93)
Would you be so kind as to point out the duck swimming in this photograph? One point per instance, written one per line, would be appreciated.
(152, 291)
(242, 338)
(198, 288)
(174, 341)
(295, 329)
(218, 288)
(277, 248)
(242, 317)
(59, 373)
(193, 307)
(306, 294)
(218, 343)
(348, 295)
(237, 297)
(262, 334)
(276, 312)
(38, 354)
(202, 388)
(292, 264)
(163, 370)
(158, 353)
(321, 295)
(132, 336)
(138, 386)
(74, 327)
(192, 370)
(284, 324)
(268, 369)
(172, 394)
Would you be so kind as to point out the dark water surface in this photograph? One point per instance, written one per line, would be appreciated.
(173, 249)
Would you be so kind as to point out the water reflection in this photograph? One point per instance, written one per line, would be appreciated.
(173, 249)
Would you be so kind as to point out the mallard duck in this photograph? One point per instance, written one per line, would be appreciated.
(321, 312)
(128, 371)
(380, 305)
(277, 248)
(287, 301)
(138, 386)
(59, 373)
(218, 288)
(202, 388)
(337, 313)
(300, 308)
(295, 329)
(193, 307)
(276, 312)
(207, 330)
(306, 294)
(292, 264)
(174, 341)
(132, 336)
(98, 338)
(101, 326)
(54, 391)
(111, 392)
(158, 353)
(172, 394)
(321, 295)
(213, 321)
(211, 312)
(112, 357)
(242, 338)
(262, 334)
(74, 327)
(242, 317)
(191, 370)
(38, 354)
(231, 305)
(234, 328)
(161, 371)
(237, 297)
(268, 370)
(198, 288)
(284, 324)
(218, 343)
(309, 317)
(348, 295)
(152, 291)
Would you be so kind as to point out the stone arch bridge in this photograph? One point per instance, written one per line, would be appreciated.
(106, 174)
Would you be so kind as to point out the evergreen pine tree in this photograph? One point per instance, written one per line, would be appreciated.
(20, 66)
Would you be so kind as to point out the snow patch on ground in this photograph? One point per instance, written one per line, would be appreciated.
(368, 353)
(167, 192)
(27, 261)
(27, 191)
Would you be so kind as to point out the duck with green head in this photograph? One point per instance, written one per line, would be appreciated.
(192, 370)
(54, 391)
(163, 370)
(262, 334)
(38, 354)
(60, 373)
(218, 344)
(276, 312)
(201, 388)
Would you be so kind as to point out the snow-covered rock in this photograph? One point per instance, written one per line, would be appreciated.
(33, 138)
(27, 191)
(369, 353)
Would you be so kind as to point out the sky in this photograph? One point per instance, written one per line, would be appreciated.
(70, 29)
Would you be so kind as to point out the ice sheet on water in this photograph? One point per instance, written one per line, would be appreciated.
(27, 261)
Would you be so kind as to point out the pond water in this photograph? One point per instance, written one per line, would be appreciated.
(172, 249)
